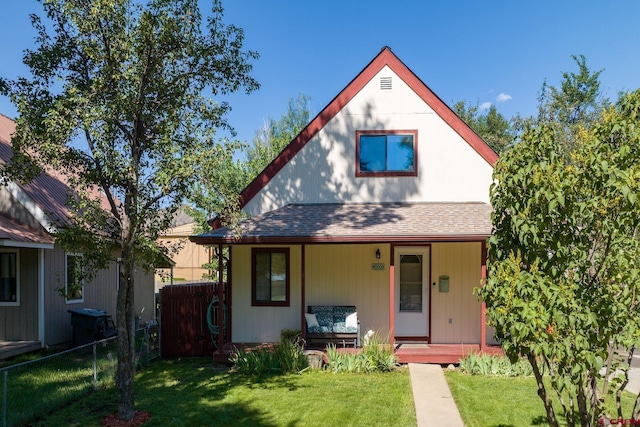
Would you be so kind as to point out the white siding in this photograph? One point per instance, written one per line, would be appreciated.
(335, 275)
(343, 275)
(461, 262)
(449, 169)
(262, 324)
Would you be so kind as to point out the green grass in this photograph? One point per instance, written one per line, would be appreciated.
(485, 401)
(45, 384)
(194, 392)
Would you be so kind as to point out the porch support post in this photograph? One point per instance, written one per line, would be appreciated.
(392, 298)
(221, 301)
(41, 336)
(303, 285)
(483, 307)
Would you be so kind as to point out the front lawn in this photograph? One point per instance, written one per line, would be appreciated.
(194, 392)
(485, 401)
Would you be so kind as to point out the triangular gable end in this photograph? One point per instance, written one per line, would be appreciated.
(388, 58)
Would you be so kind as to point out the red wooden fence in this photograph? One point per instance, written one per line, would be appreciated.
(183, 319)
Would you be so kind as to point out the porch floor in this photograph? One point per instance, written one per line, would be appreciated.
(15, 348)
(442, 354)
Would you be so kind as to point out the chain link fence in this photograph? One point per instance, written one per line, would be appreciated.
(34, 388)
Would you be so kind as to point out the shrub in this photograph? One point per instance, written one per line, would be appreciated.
(285, 357)
(347, 362)
(291, 355)
(496, 366)
(376, 355)
(292, 335)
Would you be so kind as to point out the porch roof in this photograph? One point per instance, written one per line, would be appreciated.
(16, 234)
(360, 222)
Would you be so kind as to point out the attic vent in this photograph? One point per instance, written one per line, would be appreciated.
(385, 83)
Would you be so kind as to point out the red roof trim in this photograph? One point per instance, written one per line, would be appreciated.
(385, 57)
(208, 240)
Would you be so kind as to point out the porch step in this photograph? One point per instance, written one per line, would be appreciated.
(442, 354)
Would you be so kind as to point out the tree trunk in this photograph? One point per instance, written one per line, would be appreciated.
(542, 392)
(125, 324)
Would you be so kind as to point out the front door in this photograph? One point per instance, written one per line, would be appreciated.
(412, 293)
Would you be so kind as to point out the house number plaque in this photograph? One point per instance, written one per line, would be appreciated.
(377, 266)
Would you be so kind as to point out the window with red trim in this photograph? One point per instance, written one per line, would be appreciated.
(387, 153)
(270, 276)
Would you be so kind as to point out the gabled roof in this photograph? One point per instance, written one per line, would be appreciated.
(384, 58)
(361, 222)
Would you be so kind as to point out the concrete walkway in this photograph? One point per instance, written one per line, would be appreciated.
(434, 404)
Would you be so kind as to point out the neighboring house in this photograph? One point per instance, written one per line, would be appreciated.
(381, 202)
(33, 314)
(189, 258)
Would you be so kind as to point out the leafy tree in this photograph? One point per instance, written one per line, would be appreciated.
(223, 174)
(564, 282)
(277, 134)
(492, 126)
(116, 100)
(574, 105)
(221, 178)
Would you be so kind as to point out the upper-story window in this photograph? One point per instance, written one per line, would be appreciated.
(386, 153)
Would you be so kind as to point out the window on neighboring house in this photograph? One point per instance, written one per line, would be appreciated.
(270, 271)
(386, 153)
(9, 279)
(74, 282)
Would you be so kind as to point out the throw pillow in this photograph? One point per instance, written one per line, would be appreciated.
(311, 319)
(351, 321)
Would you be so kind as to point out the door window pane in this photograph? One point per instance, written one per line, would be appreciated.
(411, 283)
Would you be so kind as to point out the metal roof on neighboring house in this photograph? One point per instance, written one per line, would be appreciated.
(361, 222)
(13, 233)
(48, 191)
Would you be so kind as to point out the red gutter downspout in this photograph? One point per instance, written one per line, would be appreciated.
(303, 287)
(483, 307)
(221, 301)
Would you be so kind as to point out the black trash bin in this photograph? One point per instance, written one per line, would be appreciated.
(88, 325)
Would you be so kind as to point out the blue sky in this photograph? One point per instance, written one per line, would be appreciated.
(481, 51)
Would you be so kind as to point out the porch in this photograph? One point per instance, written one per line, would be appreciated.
(15, 348)
(409, 269)
(441, 354)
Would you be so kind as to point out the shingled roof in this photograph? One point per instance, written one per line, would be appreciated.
(361, 222)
